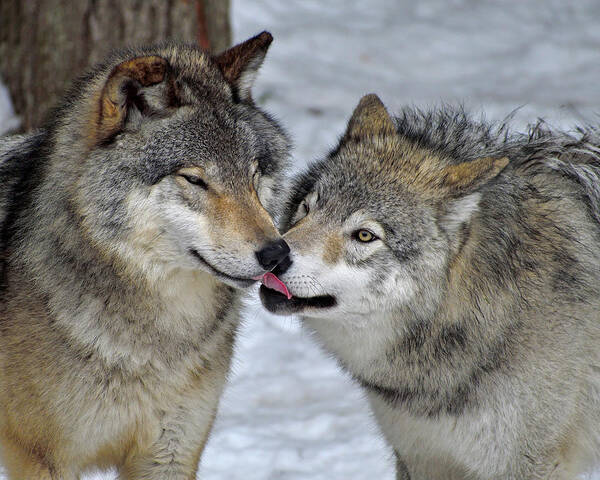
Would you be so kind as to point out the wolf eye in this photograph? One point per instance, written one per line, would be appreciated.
(195, 180)
(364, 236)
(304, 208)
(301, 212)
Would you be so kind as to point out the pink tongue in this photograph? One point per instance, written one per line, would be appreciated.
(271, 281)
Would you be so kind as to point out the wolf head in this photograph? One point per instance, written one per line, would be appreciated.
(163, 161)
(373, 227)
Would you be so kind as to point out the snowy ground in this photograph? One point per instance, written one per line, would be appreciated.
(288, 412)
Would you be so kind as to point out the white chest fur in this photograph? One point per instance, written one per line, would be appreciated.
(477, 443)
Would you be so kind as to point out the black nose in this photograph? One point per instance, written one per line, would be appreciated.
(282, 266)
(273, 253)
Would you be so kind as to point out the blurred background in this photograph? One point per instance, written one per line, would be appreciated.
(289, 412)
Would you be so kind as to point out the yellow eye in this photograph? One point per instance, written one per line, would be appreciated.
(364, 236)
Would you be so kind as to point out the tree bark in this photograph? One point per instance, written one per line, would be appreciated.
(45, 44)
(216, 25)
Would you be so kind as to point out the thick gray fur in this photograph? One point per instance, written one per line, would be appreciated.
(118, 299)
(473, 322)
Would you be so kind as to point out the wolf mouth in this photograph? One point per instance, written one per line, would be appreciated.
(245, 282)
(276, 302)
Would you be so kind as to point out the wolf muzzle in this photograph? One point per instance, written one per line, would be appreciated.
(273, 253)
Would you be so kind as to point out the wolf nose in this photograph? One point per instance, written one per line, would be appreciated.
(282, 266)
(273, 253)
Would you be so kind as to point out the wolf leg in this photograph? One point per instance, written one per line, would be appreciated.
(21, 464)
(401, 469)
(175, 454)
(552, 471)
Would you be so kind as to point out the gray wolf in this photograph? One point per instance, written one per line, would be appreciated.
(453, 269)
(128, 225)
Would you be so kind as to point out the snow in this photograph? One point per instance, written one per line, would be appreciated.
(8, 120)
(289, 412)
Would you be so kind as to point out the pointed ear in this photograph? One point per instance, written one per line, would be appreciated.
(124, 91)
(460, 183)
(370, 117)
(240, 64)
(467, 177)
(459, 211)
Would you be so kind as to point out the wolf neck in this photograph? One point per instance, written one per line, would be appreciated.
(362, 344)
(423, 362)
(359, 345)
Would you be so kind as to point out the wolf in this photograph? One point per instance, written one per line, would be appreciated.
(453, 269)
(130, 224)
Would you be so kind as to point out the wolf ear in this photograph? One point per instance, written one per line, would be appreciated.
(370, 117)
(467, 177)
(461, 183)
(459, 212)
(240, 63)
(123, 91)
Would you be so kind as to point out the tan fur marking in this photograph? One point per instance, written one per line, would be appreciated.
(247, 219)
(472, 174)
(303, 235)
(334, 245)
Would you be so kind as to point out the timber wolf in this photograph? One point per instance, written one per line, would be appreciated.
(453, 269)
(129, 222)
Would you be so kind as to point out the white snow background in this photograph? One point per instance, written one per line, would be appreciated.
(288, 411)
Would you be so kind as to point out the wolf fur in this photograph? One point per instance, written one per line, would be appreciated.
(471, 317)
(128, 223)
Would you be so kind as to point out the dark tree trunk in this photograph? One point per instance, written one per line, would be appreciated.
(45, 44)
(213, 24)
